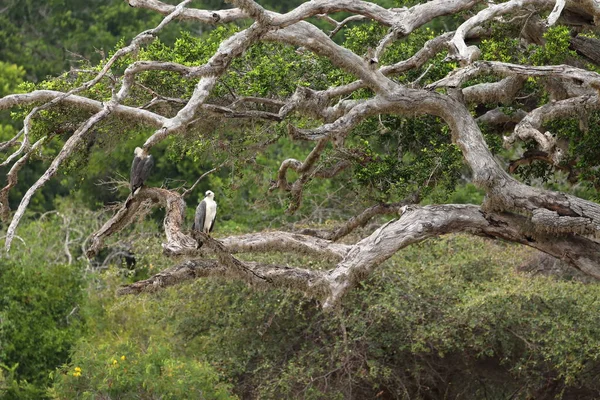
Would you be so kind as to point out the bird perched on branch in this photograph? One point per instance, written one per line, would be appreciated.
(206, 212)
(140, 169)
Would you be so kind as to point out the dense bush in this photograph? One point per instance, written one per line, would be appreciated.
(449, 318)
(39, 322)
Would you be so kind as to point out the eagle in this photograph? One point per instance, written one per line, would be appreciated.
(206, 212)
(140, 169)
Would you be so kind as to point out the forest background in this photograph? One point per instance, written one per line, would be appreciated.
(452, 317)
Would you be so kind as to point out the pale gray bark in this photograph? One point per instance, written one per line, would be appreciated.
(555, 223)
(355, 262)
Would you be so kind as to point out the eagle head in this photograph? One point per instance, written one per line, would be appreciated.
(138, 152)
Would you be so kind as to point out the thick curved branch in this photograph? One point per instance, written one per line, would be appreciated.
(503, 191)
(177, 242)
(530, 127)
(264, 275)
(180, 243)
(503, 91)
(468, 54)
(306, 170)
(457, 78)
(361, 219)
(415, 224)
(419, 223)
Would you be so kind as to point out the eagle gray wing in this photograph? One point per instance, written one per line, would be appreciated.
(147, 168)
(200, 216)
(134, 178)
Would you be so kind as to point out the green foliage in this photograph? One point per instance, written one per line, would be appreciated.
(466, 194)
(38, 323)
(11, 76)
(556, 49)
(443, 317)
(395, 157)
(123, 370)
(48, 38)
(126, 356)
(503, 49)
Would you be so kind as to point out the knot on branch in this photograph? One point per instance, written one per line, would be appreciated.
(308, 101)
(254, 10)
(467, 56)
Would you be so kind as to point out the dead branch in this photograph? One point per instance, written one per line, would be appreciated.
(415, 224)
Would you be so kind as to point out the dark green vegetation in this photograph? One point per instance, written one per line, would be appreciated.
(447, 318)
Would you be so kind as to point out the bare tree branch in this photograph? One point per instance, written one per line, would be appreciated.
(529, 127)
(416, 224)
(106, 110)
(180, 243)
(555, 223)
(362, 219)
(456, 78)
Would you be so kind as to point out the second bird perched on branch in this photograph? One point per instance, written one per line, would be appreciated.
(140, 169)
(206, 213)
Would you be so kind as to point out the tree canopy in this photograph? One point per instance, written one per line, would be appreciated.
(334, 133)
(404, 109)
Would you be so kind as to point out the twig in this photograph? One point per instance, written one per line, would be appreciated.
(187, 191)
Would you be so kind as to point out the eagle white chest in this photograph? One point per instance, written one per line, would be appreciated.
(211, 212)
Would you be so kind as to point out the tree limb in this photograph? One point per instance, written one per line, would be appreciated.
(415, 224)
(530, 126)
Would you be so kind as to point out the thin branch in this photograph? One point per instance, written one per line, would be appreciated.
(459, 76)
(218, 63)
(65, 152)
(106, 110)
(362, 219)
(264, 275)
(187, 191)
(468, 54)
(12, 180)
